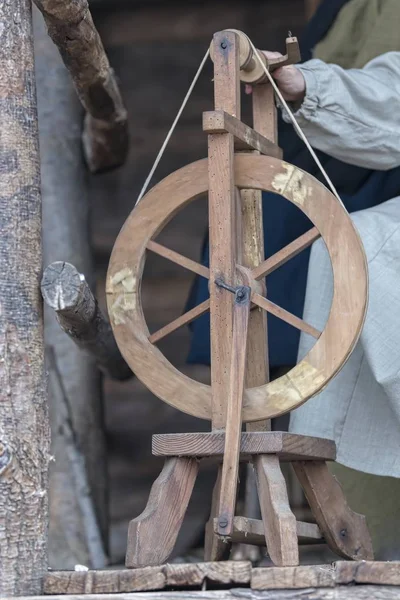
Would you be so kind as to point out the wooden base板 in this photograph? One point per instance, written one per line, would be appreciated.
(65, 290)
(288, 446)
(231, 573)
(70, 26)
(316, 581)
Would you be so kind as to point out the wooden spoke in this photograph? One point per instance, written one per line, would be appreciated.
(177, 258)
(285, 315)
(290, 251)
(189, 316)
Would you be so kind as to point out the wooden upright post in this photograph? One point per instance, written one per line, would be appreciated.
(24, 425)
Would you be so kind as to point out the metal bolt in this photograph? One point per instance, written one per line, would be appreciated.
(224, 45)
(223, 522)
(240, 294)
(343, 532)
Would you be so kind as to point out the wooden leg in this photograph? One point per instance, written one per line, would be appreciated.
(279, 521)
(152, 535)
(215, 547)
(345, 531)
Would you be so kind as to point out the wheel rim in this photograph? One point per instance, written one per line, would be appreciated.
(348, 307)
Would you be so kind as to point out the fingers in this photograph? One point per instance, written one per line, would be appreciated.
(269, 54)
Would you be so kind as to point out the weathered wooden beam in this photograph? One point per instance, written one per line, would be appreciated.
(66, 291)
(246, 138)
(70, 26)
(24, 423)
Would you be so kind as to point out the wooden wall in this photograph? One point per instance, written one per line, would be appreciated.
(155, 49)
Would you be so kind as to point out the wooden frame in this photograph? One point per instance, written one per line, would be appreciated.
(240, 390)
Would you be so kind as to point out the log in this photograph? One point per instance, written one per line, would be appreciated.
(24, 424)
(67, 292)
(105, 137)
(75, 394)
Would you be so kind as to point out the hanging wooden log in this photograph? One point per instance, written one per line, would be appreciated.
(105, 137)
(66, 291)
(75, 394)
(24, 426)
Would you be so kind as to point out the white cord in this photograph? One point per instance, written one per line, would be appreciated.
(296, 125)
(171, 131)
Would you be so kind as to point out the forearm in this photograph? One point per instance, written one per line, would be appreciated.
(354, 115)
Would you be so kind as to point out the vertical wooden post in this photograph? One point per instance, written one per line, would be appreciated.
(24, 426)
(78, 486)
(221, 198)
(257, 371)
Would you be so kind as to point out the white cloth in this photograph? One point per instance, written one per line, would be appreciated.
(354, 115)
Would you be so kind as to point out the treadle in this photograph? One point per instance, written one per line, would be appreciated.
(288, 446)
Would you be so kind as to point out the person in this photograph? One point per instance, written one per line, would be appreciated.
(352, 114)
(369, 27)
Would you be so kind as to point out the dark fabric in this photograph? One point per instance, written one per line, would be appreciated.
(359, 189)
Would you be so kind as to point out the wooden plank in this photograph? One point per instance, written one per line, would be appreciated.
(285, 315)
(184, 319)
(251, 531)
(290, 251)
(246, 138)
(381, 573)
(105, 581)
(221, 573)
(177, 258)
(362, 592)
(286, 445)
(279, 521)
(147, 578)
(289, 578)
(230, 465)
(221, 196)
(345, 531)
(152, 535)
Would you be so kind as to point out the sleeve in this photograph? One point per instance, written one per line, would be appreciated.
(353, 115)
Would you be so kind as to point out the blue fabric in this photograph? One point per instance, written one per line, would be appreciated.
(359, 189)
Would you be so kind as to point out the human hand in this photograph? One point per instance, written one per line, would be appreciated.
(289, 79)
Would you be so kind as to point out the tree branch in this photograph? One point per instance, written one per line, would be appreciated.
(67, 292)
(105, 137)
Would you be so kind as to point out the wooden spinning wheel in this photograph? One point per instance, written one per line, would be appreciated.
(241, 163)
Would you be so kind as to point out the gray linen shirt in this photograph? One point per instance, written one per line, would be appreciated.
(354, 115)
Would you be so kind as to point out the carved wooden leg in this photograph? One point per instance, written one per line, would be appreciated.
(215, 548)
(279, 521)
(345, 531)
(152, 535)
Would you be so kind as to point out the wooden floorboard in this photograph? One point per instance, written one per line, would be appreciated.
(247, 582)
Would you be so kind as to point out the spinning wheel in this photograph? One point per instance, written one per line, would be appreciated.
(333, 345)
(240, 390)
